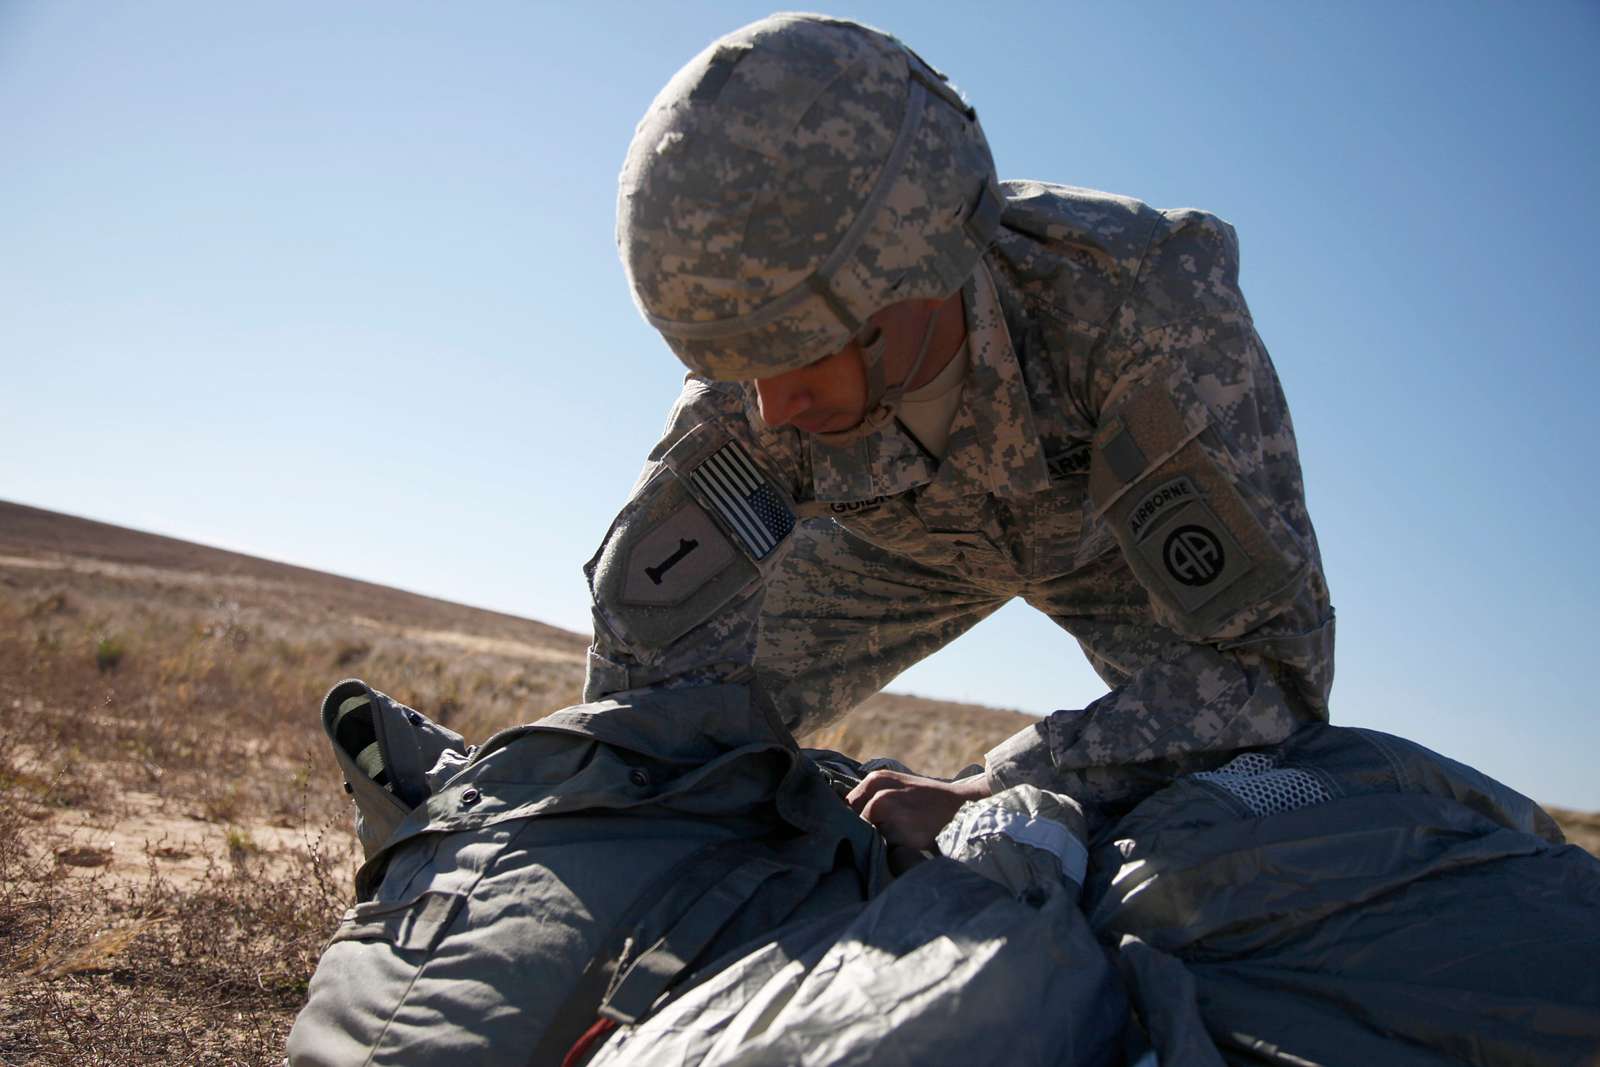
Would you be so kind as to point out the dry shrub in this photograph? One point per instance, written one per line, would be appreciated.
(203, 706)
(214, 973)
(108, 653)
(101, 968)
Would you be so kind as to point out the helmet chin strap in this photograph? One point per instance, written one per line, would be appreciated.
(883, 400)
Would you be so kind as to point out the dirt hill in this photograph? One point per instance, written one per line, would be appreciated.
(173, 845)
(492, 668)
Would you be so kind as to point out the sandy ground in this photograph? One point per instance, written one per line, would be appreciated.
(149, 830)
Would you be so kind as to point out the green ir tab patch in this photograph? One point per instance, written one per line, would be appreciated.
(1122, 453)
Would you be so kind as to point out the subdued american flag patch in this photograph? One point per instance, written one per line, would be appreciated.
(743, 499)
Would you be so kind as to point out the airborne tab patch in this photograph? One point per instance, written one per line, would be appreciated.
(743, 499)
(1158, 504)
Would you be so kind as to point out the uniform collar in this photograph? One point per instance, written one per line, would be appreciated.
(993, 447)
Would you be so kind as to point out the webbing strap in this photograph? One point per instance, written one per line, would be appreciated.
(354, 730)
(648, 976)
(578, 1012)
(650, 920)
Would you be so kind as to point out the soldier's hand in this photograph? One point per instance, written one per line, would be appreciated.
(910, 810)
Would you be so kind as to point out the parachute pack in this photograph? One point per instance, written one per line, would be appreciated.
(667, 879)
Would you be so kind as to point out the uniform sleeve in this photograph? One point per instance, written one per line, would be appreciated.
(677, 582)
(1195, 471)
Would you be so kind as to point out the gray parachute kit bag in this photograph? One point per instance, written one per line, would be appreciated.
(663, 878)
(564, 899)
(570, 873)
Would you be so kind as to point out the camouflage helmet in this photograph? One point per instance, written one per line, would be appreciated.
(795, 177)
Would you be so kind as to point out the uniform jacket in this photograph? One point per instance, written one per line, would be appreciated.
(1115, 376)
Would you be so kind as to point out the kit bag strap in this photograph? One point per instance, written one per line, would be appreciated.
(692, 917)
(661, 903)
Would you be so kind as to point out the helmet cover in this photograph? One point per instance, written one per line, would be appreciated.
(792, 179)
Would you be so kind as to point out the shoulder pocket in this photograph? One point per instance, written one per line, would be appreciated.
(1207, 544)
(697, 534)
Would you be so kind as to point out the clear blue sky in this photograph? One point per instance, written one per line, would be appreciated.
(335, 284)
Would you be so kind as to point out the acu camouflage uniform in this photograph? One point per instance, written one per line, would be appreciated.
(1113, 359)
(1122, 459)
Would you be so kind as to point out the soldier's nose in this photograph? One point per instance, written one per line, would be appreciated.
(780, 403)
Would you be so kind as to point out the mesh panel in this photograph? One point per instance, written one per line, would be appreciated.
(1245, 763)
(1266, 789)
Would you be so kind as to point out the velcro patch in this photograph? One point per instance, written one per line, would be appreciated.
(753, 510)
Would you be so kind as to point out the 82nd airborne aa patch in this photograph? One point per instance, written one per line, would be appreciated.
(1194, 555)
(1181, 539)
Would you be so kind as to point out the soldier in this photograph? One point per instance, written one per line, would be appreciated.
(917, 392)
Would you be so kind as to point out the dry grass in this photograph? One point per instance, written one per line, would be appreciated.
(933, 737)
(173, 843)
(1581, 827)
(170, 947)
(174, 847)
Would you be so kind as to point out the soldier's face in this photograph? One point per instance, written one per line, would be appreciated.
(822, 397)
(831, 394)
